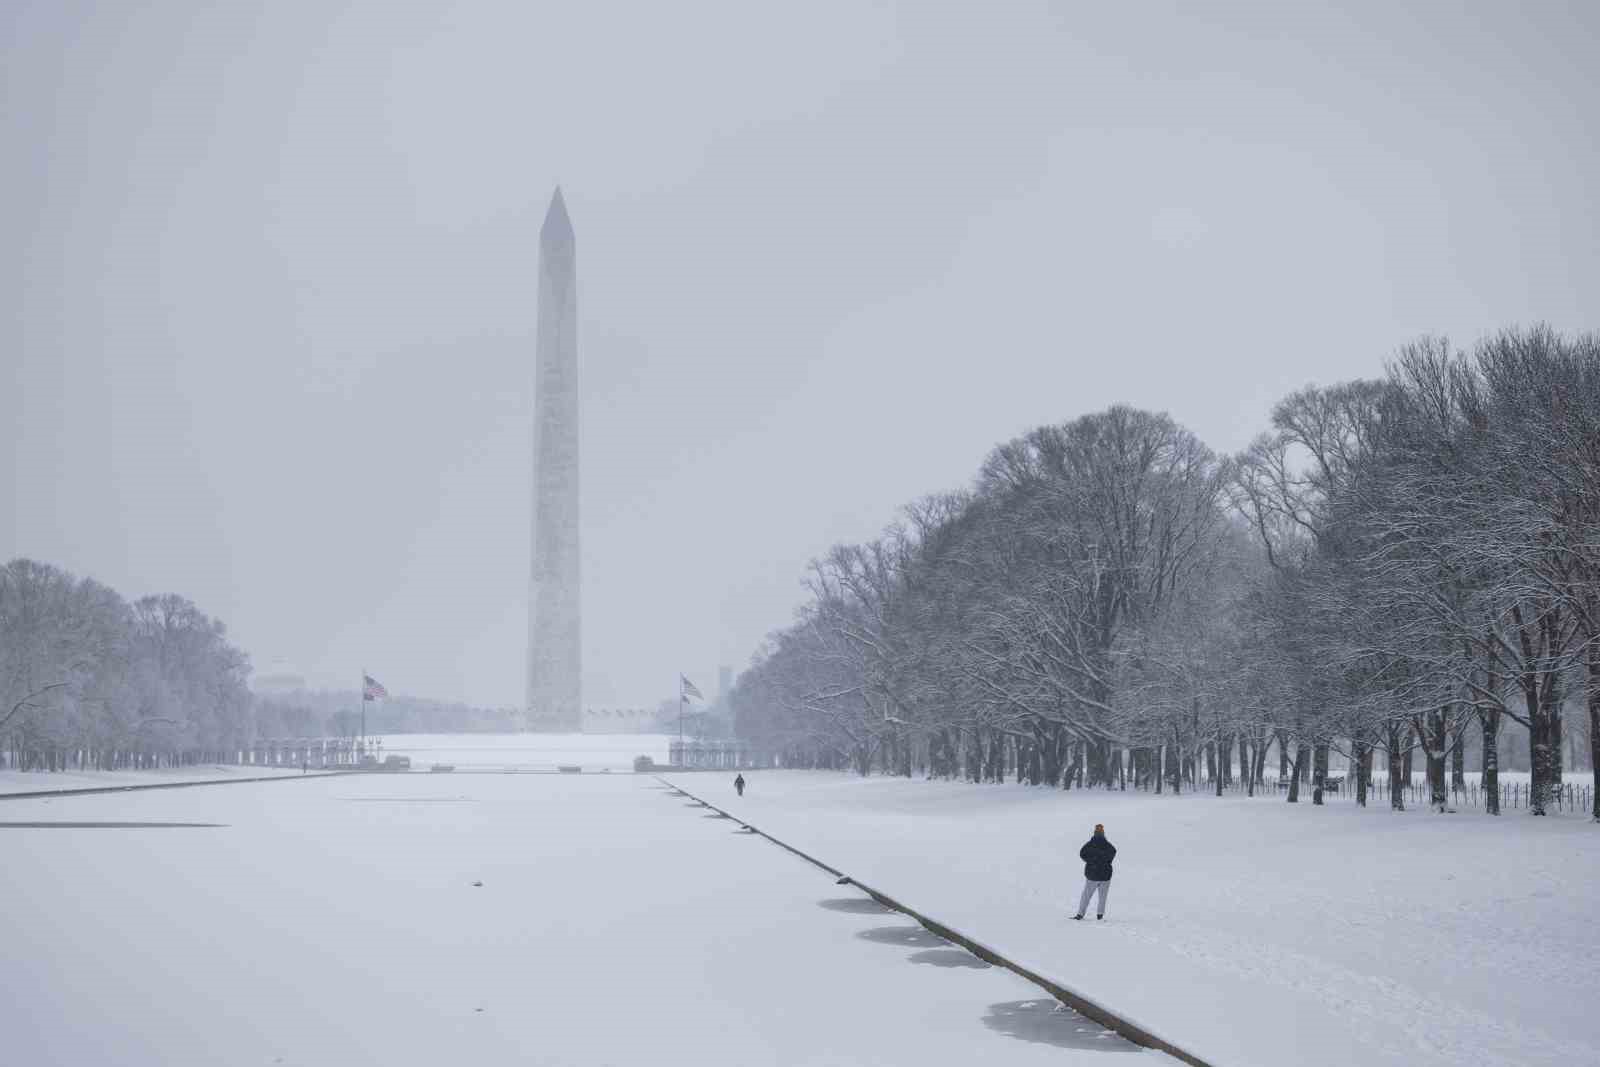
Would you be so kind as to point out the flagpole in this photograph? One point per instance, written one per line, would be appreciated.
(363, 714)
(681, 755)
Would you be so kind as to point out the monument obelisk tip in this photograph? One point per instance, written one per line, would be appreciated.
(557, 228)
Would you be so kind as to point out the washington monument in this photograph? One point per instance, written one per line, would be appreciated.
(555, 654)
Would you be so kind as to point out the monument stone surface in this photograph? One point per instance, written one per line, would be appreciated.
(555, 654)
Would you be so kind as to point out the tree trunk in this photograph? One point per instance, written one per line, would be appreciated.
(940, 756)
(1319, 772)
(1458, 758)
(1594, 719)
(1436, 740)
(1539, 740)
(1056, 762)
(1194, 732)
(1175, 763)
(1096, 753)
(1397, 792)
(1491, 758)
(1359, 767)
(1553, 700)
(1300, 753)
(1540, 693)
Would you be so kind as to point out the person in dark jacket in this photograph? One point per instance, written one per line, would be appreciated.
(738, 785)
(1096, 855)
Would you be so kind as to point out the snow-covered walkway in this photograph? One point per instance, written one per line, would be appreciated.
(340, 921)
(1251, 932)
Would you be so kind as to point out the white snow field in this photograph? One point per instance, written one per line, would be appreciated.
(1250, 932)
(337, 921)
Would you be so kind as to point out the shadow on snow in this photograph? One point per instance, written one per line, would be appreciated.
(1049, 1022)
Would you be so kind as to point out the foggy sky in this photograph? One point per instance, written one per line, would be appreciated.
(268, 275)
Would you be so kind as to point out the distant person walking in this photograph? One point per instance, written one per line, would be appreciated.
(738, 785)
(1096, 855)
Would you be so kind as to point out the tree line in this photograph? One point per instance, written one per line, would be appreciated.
(90, 680)
(1407, 566)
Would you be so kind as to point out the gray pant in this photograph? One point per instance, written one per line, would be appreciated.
(1088, 890)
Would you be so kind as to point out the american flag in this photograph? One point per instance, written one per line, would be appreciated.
(372, 689)
(688, 688)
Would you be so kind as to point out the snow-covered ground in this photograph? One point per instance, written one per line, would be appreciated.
(1252, 932)
(337, 921)
(39, 781)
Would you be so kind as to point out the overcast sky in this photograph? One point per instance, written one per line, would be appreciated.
(268, 276)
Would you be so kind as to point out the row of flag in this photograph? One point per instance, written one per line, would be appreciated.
(372, 689)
